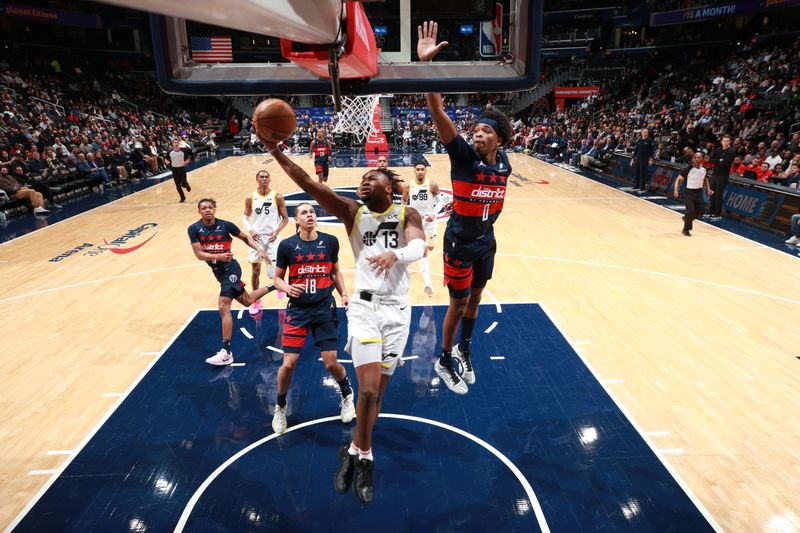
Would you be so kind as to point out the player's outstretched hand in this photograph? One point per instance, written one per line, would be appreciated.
(381, 264)
(426, 45)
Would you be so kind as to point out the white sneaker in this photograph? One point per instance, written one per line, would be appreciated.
(40, 209)
(279, 420)
(450, 378)
(348, 409)
(794, 239)
(222, 358)
(466, 371)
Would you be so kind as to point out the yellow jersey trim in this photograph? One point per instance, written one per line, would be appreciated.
(391, 206)
(357, 221)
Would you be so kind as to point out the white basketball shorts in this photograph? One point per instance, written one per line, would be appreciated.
(377, 331)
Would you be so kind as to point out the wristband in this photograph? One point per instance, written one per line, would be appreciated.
(246, 223)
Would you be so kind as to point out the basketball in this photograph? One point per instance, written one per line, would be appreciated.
(274, 120)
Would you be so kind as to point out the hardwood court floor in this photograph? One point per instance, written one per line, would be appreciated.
(695, 336)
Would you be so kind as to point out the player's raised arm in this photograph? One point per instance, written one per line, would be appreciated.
(342, 208)
(426, 50)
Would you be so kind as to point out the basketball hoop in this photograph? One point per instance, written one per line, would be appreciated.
(357, 116)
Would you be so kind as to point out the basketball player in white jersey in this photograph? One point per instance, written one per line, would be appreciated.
(264, 217)
(423, 195)
(385, 238)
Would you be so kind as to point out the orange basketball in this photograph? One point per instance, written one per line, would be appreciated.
(274, 120)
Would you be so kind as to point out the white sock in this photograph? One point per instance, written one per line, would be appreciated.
(426, 271)
(366, 455)
(352, 450)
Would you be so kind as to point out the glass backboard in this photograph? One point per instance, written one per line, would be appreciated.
(253, 65)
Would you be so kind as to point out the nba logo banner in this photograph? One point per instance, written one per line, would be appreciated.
(492, 34)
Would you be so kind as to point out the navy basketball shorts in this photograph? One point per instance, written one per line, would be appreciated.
(468, 264)
(319, 319)
(322, 166)
(229, 276)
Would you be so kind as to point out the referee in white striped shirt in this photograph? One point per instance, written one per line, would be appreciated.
(696, 180)
(178, 159)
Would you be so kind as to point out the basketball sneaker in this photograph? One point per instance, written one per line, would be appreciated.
(344, 476)
(362, 482)
(466, 371)
(255, 308)
(348, 409)
(794, 239)
(279, 420)
(222, 358)
(450, 377)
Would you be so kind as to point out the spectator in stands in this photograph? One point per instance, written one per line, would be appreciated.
(792, 176)
(773, 159)
(795, 230)
(18, 191)
(233, 125)
(36, 166)
(91, 169)
(738, 167)
(7, 161)
(59, 144)
(39, 186)
(152, 156)
(590, 157)
(73, 156)
(407, 136)
(117, 165)
(137, 161)
(764, 173)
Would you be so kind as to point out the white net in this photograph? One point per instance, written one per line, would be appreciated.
(356, 116)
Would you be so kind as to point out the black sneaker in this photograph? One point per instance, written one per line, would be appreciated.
(362, 486)
(686, 233)
(344, 476)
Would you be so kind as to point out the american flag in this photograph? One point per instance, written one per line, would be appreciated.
(212, 50)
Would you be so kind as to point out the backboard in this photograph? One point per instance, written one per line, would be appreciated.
(252, 64)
